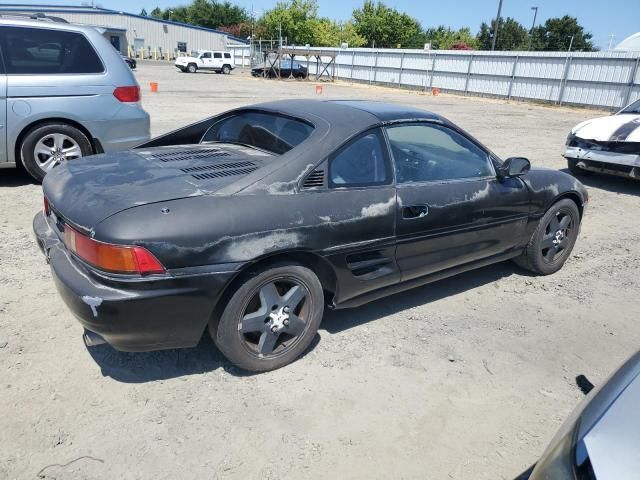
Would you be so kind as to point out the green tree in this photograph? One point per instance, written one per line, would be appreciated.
(294, 17)
(143, 12)
(444, 38)
(512, 35)
(204, 13)
(385, 27)
(329, 33)
(556, 33)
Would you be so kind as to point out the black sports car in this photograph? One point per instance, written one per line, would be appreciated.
(249, 222)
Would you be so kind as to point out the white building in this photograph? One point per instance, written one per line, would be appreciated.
(629, 44)
(148, 37)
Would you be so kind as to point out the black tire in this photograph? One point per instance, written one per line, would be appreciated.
(553, 240)
(226, 69)
(37, 167)
(192, 68)
(576, 170)
(241, 336)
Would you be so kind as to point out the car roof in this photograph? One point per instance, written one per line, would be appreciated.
(361, 112)
(43, 23)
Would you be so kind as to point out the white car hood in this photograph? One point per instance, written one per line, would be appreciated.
(624, 127)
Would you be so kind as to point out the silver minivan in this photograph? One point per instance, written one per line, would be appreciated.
(65, 92)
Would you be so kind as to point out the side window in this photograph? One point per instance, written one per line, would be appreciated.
(425, 153)
(217, 55)
(361, 162)
(47, 51)
(227, 55)
(206, 55)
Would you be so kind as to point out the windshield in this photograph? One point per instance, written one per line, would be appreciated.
(633, 108)
(267, 131)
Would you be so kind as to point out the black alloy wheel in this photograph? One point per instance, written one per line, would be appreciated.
(554, 239)
(271, 319)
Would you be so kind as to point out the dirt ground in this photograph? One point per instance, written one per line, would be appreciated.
(467, 378)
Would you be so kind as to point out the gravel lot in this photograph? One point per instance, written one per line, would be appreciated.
(467, 378)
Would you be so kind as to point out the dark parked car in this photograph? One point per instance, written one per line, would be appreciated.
(287, 69)
(247, 223)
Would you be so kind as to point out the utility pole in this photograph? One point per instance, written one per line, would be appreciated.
(495, 27)
(533, 25)
(611, 37)
(570, 43)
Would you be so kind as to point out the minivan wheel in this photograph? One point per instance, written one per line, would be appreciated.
(192, 68)
(271, 319)
(226, 69)
(48, 145)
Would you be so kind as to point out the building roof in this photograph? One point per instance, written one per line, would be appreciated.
(21, 7)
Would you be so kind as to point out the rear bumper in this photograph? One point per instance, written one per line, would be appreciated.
(134, 314)
(129, 127)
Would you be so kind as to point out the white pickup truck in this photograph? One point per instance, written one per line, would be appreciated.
(216, 61)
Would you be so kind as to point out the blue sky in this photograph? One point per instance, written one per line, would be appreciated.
(618, 17)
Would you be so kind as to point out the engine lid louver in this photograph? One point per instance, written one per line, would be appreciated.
(195, 154)
(314, 180)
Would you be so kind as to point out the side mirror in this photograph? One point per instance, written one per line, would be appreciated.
(514, 167)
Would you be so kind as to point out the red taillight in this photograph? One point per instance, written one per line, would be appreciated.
(109, 257)
(46, 208)
(127, 94)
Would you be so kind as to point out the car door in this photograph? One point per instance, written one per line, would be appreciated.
(207, 61)
(217, 60)
(452, 208)
(358, 209)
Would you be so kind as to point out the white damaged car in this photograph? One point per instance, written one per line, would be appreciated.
(608, 145)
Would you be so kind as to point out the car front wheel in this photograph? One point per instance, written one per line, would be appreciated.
(48, 145)
(271, 318)
(553, 240)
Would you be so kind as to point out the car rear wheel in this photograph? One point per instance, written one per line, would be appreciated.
(271, 318)
(553, 240)
(48, 145)
(226, 69)
(192, 68)
(576, 170)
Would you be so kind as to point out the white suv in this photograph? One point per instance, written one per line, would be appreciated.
(206, 60)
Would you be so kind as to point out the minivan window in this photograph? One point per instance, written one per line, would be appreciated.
(47, 51)
(217, 55)
(267, 131)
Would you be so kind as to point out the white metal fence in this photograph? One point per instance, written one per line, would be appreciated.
(599, 79)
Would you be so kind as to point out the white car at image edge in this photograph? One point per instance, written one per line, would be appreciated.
(608, 145)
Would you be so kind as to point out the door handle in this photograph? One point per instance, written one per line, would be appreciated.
(411, 212)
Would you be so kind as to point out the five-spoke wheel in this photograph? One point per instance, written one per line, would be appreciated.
(553, 240)
(271, 318)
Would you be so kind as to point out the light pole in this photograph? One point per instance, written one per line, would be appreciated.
(495, 27)
(570, 42)
(533, 25)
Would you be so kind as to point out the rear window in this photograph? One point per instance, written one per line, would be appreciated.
(267, 131)
(47, 51)
(227, 55)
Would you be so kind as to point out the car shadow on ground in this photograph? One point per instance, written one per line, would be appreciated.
(142, 367)
(610, 183)
(165, 364)
(339, 320)
(15, 177)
